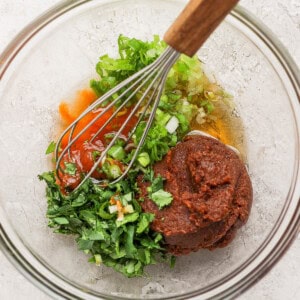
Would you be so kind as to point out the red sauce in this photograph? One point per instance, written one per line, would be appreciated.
(212, 195)
(83, 151)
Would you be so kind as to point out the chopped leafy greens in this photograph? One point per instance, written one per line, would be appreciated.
(127, 246)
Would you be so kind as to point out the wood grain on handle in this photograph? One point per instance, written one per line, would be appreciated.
(195, 24)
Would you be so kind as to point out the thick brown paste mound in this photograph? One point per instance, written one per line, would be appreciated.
(212, 195)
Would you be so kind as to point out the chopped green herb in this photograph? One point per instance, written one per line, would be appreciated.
(144, 222)
(161, 198)
(61, 220)
(95, 155)
(70, 168)
(156, 184)
(51, 148)
(127, 246)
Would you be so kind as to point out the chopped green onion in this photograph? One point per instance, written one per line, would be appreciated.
(112, 209)
(117, 152)
(112, 171)
(161, 117)
(144, 159)
(172, 125)
(128, 209)
(115, 171)
(126, 198)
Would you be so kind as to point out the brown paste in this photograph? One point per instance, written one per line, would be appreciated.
(212, 195)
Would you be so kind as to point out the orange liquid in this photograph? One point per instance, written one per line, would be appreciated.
(225, 126)
(83, 151)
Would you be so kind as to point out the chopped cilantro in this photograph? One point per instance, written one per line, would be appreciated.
(95, 155)
(161, 198)
(51, 148)
(144, 221)
(127, 246)
(70, 168)
(156, 184)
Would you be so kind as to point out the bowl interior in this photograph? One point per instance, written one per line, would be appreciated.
(60, 60)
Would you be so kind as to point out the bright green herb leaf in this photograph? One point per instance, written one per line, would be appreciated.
(61, 220)
(70, 168)
(51, 148)
(144, 221)
(161, 198)
(157, 184)
(85, 244)
(48, 177)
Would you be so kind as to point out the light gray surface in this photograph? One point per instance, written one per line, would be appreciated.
(283, 17)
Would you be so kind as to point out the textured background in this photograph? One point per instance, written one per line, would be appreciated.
(283, 18)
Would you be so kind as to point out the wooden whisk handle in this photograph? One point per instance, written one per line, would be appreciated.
(195, 24)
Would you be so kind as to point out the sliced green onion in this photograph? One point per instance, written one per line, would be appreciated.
(172, 125)
(161, 117)
(115, 171)
(117, 152)
(112, 171)
(126, 198)
(112, 209)
(144, 159)
(102, 212)
(128, 209)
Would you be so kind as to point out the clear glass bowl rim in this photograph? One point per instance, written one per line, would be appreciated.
(241, 284)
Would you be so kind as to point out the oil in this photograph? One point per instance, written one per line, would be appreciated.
(226, 125)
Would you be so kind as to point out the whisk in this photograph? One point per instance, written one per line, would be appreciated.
(186, 35)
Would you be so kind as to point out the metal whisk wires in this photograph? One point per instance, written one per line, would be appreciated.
(149, 83)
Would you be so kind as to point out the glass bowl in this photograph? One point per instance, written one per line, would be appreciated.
(55, 56)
